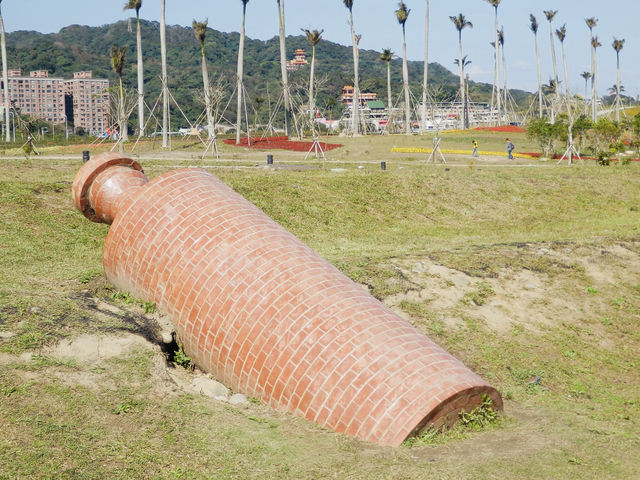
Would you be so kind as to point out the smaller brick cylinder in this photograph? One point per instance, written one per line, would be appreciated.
(265, 314)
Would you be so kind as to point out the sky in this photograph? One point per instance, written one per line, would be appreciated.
(375, 20)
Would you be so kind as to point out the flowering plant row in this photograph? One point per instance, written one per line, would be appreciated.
(503, 128)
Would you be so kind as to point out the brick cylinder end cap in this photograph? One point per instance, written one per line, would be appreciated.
(89, 172)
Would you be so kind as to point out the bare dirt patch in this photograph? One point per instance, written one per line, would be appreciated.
(528, 293)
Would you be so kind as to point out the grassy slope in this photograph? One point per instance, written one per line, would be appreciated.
(583, 424)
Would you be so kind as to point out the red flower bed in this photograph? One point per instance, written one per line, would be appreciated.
(280, 143)
(503, 129)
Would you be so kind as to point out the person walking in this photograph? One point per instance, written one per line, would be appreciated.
(475, 148)
(510, 147)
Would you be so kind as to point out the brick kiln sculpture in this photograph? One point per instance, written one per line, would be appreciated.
(263, 313)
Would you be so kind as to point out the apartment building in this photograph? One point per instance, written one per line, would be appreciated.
(88, 98)
(37, 95)
(83, 100)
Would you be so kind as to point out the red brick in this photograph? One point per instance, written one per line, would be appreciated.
(264, 313)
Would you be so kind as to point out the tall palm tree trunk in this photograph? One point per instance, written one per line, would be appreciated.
(505, 91)
(618, 81)
(207, 94)
(312, 104)
(355, 110)
(405, 81)
(140, 77)
(594, 110)
(461, 65)
(240, 74)
(122, 123)
(389, 100)
(283, 70)
(553, 54)
(586, 86)
(426, 70)
(567, 90)
(5, 80)
(165, 93)
(495, 95)
(539, 76)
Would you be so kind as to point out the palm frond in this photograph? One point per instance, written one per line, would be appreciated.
(200, 30)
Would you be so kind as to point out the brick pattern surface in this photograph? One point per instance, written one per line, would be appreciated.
(270, 318)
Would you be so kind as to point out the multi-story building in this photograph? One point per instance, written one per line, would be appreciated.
(88, 98)
(37, 95)
(43, 97)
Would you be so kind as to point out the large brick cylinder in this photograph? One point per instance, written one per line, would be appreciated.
(265, 314)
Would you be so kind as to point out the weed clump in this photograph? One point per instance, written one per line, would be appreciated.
(483, 417)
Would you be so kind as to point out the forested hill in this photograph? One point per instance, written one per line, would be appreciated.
(77, 48)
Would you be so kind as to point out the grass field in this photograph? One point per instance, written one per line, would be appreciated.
(527, 271)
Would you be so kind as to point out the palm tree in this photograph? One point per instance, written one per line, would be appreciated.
(283, 68)
(136, 5)
(595, 44)
(200, 31)
(387, 56)
(426, 68)
(240, 73)
(591, 23)
(505, 92)
(617, 46)
(355, 109)
(613, 89)
(313, 37)
(460, 22)
(465, 62)
(495, 94)
(5, 78)
(533, 26)
(586, 76)
(117, 65)
(164, 79)
(561, 33)
(550, 14)
(402, 14)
